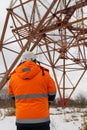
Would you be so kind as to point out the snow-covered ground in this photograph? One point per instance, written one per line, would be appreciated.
(67, 119)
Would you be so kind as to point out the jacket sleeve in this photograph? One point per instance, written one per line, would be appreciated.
(10, 91)
(51, 89)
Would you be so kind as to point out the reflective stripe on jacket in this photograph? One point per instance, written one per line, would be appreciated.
(31, 90)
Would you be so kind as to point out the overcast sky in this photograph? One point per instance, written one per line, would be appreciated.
(3, 5)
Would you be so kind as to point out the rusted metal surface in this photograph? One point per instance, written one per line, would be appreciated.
(31, 25)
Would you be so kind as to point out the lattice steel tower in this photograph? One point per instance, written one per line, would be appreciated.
(56, 31)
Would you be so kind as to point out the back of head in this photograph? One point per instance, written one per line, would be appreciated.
(27, 55)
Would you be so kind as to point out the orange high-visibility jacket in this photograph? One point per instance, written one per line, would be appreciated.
(31, 90)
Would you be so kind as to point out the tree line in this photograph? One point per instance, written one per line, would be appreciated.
(79, 101)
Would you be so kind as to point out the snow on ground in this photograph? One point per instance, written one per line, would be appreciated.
(65, 120)
(61, 119)
(8, 123)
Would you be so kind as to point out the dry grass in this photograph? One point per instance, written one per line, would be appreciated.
(84, 124)
(10, 112)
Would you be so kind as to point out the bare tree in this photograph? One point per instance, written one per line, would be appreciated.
(81, 100)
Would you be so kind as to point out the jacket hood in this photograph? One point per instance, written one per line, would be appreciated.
(27, 70)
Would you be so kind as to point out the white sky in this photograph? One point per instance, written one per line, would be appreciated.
(5, 4)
